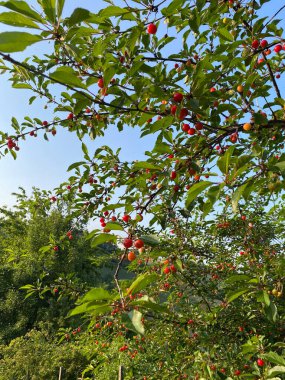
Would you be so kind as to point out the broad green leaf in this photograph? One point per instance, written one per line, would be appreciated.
(271, 312)
(237, 195)
(266, 298)
(103, 238)
(67, 75)
(90, 309)
(96, 294)
(136, 318)
(145, 165)
(225, 35)
(23, 8)
(141, 282)
(237, 278)
(59, 7)
(237, 293)
(195, 190)
(151, 240)
(273, 357)
(75, 165)
(113, 11)
(114, 226)
(277, 370)
(281, 166)
(113, 206)
(78, 15)
(147, 304)
(16, 19)
(49, 8)
(16, 41)
(224, 161)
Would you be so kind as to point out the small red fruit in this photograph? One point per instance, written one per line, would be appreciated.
(126, 218)
(183, 113)
(173, 268)
(178, 97)
(101, 83)
(173, 110)
(260, 362)
(185, 127)
(127, 242)
(255, 44)
(237, 372)
(45, 123)
(212, 89)
(55, 248)
(131, 256)
(166, 270)
(173, 175)
(263, 43)
(138, 243)
(70, 116)
(199, 126)
(277, 48)
(191, 131)
(151, 28)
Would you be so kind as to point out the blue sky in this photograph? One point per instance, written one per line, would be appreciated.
(41, 163)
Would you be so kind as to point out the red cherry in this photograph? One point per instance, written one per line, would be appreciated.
(101, 83)
(173, 110)
(176, 188)
(127, 243)
(277, 48)
(237, 372)
(126, 218)
(106, 213)
(260, 362)
(190, 322)
(70, 116)
(113, 218)
(185, 127)
(255, 44)
(177, 97)
(53, 132)
(55, 248)
(263, 43)
(173, 175)
(191, 131)
(212, 89)
(151, 28)
(103, 224)
(45, 123)
(138, 243)
(199, 126)
(183, 113)
(173, 268)
(170, 156)
(11, 144)
(166, 270)
(55, 290)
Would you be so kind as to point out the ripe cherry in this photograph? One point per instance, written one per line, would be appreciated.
(277, 48)
(151, 28)
(70, 116)
(183, 113)
(101, 83)
(263, 43)
(45, 123)
(255, 44)
(178, 97)
(173, 175)
(185, 127)
(173, 109)
(138, 243)
(199, 126)
(237, 372)
(260, 362)
(127, 243)
(191, 131)
(126, 218)
(56, 248)
(166, 270)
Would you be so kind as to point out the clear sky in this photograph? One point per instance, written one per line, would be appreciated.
(41, 163)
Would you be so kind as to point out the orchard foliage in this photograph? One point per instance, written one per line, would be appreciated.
(199, 218)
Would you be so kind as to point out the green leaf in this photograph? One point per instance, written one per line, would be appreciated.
(271, 312)
(151, 240)
(195, 190)
(237, 293)
(75, 165)
(225, 35)
(114, 226)
(145, 165)
(277, 370)
(237, 195)
(103, 238)
(23, 8)
(17, 41)
(49, 8)
(281, 166)
(136, 318)
(273, 357)
(67, 75)
(59, 7)
(224, 161)
(96, 294)
(237, 278)
(147, 304)
(141, 282)
(113, 11)
(266, 298)
(78, 15)
(16, 19)
(89, 308)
